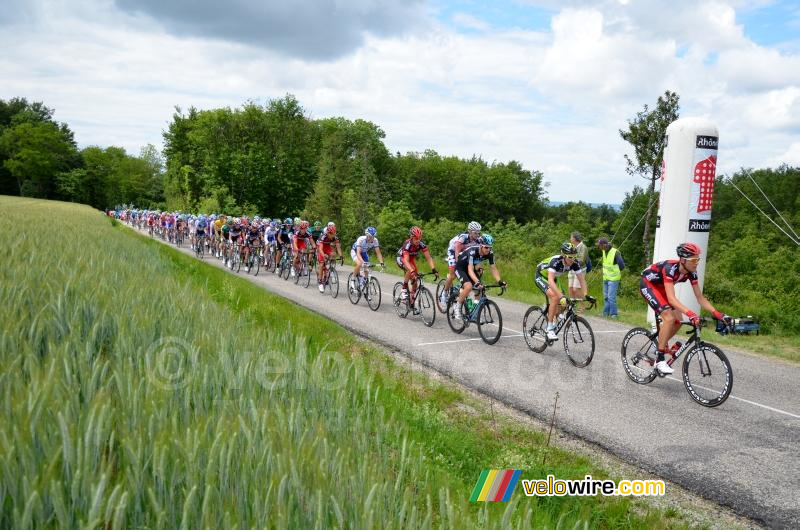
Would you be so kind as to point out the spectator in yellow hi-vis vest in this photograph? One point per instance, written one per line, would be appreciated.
(612, 274)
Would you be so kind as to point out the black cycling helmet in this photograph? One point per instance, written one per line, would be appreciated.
(568, 249)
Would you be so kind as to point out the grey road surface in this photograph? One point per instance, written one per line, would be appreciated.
(744, 454)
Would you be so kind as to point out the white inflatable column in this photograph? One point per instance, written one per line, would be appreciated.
(687, 190)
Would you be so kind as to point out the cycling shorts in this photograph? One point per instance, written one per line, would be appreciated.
(402, 266)
(451, 261)
(656, 298)
(364, 256)
(322, 253)
(542, 283)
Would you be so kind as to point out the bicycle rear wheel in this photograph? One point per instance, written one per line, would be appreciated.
(457, 325)
(579, 341)
(400, 305)
(307, 273)
(707, 375)
(298, 272)
(284, 272)
(639, 352)
(353, 292)
(490, 322)
(373, 294)
(426, 306)
(534, 328)
(333, 282)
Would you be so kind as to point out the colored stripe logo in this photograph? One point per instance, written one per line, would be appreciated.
(495, 485)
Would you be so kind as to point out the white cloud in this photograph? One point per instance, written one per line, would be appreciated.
(790, 157)
(553, 100)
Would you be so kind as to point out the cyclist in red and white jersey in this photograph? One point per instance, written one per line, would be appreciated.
(657, 286)
(407, 254)
(325, 245)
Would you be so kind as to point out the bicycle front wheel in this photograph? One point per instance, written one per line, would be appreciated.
(373, 294)
(579, 342)
(442, 307)
(490, 322)
(707, 375)
(426, 305)
(307, 273)
(534, 328)
(639, 352)
(256, 265)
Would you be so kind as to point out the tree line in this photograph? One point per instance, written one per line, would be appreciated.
(275, 160)
(39, 158)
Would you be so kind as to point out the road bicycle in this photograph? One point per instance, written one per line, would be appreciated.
(707, 373)
(302, 273)
(254, 259)
(365, 285)
(284, 267)
(199, 247)
(485, 313)
(419, 301)
(328, 275)
(269, 258)
(578, 335)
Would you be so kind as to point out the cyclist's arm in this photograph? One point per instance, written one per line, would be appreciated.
(702, 300)
(429, 258)
(339, 249)
(407, 260)
(495, 272)
(378, 253)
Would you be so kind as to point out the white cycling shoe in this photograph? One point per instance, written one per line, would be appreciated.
(321, 288)
(456, 311)
(551, 334)
(664, 368)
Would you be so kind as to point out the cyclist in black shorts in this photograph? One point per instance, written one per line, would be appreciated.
(465, 269)
(545, 278)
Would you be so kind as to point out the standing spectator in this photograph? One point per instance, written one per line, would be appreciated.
(612, 267)
(573, 283)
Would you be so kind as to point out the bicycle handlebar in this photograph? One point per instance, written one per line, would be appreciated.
(495, 286)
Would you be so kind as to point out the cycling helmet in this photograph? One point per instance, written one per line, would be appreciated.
(486, 239)
(317, 224)
(297, 220)
(331, 224)
(415, 232)
(287, 221)
(687, 250)
(568, 249)
(273, 224)
(303, 225)
(371, 231)
(474, 226)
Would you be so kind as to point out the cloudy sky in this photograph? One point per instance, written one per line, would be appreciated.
(545, 82)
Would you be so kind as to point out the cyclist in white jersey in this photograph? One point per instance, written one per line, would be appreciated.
(458, 244)
(360, 249)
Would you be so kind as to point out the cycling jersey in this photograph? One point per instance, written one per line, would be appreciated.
(651, 286)
(365, 244)
(473, 254)
(557, 265)
(270, 234)
(668, 271)
(411, 249)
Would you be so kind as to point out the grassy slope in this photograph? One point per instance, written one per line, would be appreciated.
(256, 413)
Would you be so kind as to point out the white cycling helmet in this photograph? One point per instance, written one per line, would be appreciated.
(474, 226)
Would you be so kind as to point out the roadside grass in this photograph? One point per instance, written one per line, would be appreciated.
(631, 308)
(140, 387)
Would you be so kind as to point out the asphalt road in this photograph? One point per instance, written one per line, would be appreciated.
(744, 454)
